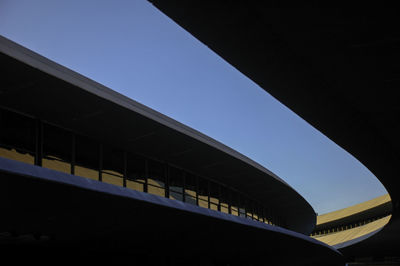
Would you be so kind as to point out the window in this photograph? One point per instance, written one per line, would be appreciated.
(242, 210)
(57, 148)
(249, 208)
(267, 216)
(258, 212)
(234, 204)
(17, 137)
(224, 200)
(113, 166)
(175, 184)
(214, 196)
(272, 217)
(190, 189)
(87, 158)
(203, 193)
(136, 173)
(156, 178)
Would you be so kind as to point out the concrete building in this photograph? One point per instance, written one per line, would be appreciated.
(348, 226)
(91, 176)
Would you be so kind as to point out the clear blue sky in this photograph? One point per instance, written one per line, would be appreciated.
(136, 50)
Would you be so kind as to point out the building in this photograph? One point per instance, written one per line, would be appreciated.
(349, 229)
(337, 68)
(88, 174)
(348, 226)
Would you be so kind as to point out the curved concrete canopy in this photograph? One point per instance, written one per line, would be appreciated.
(336, 68)
(39, 87)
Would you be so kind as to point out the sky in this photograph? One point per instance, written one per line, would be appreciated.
(133, 48)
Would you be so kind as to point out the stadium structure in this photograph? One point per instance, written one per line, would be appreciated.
(89, 175)
(337, 68)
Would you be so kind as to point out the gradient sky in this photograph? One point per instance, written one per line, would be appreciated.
(133, 48)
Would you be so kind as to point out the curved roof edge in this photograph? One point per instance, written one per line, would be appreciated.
(42, 63)
(354, 235)
(300, 209)
(353, 210)
(379, 207)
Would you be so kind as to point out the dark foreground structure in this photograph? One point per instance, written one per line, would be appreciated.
(336, 68)
(89, 175)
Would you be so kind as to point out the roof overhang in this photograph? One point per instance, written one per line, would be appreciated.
(36, 86)
(336, 68)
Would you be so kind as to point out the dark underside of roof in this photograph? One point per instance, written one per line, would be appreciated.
(339, 69)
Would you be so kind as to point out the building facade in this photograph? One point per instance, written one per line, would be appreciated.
(83, 166)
